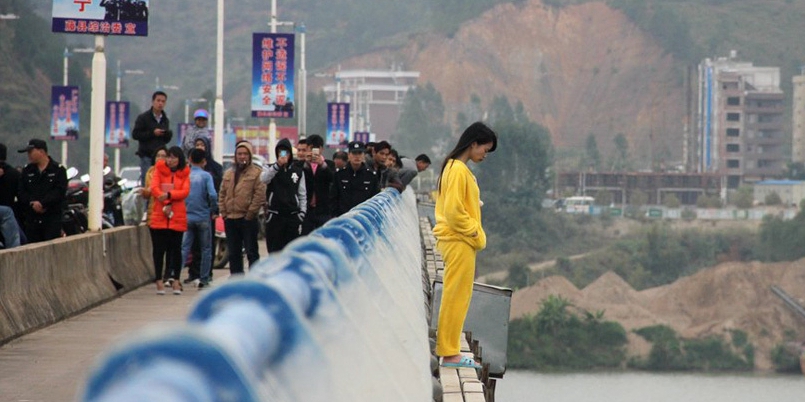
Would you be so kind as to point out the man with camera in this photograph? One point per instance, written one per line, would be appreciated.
(318, 179)
(286, 197)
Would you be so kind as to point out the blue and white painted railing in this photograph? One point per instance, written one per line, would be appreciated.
(338, 315)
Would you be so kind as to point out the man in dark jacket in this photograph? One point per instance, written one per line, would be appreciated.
(319, 174)
(286, 198)
(353, 184)
(42, 193)
(152, 130)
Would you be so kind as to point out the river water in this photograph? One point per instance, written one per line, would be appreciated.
(526, 386)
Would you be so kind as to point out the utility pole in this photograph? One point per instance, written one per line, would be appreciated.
(218, 134)
(96, 143)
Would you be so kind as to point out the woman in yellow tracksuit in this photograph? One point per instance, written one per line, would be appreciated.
(459, 236)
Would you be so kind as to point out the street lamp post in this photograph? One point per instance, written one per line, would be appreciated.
(65, 81)
(218, 139)
(117, 98)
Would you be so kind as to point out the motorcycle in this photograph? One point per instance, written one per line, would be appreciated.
(74, 217)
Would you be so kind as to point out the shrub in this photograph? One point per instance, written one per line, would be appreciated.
(672, 201)
(773, 199)
(784, 359)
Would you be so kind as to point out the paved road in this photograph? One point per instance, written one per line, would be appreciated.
(52, 364)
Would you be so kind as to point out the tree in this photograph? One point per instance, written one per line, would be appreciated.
(421, 127)
(621, 160)
(593, 156)
(744, 197)
(773, 199)
(518, 275)
(671, 201)
(517, 173)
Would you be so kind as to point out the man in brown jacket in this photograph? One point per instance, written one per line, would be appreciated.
(240, 198)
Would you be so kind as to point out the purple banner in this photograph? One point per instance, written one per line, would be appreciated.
(64, 113)
(117, 128)
(337, 124)
(101, 17)
(273, 75)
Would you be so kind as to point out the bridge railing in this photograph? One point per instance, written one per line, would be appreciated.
(338, 315)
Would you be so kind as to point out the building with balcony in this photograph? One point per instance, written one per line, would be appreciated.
(375, 97)
(740, 121)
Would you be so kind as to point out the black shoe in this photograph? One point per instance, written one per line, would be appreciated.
(202, 285)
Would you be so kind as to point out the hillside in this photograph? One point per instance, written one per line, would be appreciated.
(711, 302)
(580, 67)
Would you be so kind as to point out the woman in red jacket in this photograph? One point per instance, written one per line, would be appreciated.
(169, 188)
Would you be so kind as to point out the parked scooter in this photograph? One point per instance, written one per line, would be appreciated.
(74, 217)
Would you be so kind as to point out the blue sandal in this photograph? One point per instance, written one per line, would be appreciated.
(464, 362)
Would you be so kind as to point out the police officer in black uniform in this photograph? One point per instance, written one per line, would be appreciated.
(353, 184)
(43, 186)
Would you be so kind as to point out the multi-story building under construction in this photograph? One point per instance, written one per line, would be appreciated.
(740, 121)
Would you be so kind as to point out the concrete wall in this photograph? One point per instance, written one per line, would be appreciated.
(43, 283)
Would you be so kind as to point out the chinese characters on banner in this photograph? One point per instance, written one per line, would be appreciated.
(117, 125)
(101, 17)
(337, 124)
(64, 117)
(273, 75)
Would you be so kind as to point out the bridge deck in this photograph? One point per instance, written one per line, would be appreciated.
(52, 363)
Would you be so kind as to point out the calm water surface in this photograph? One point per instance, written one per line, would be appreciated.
(525, 386)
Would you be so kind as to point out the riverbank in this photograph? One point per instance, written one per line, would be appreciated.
(527, 386)
(713, 302)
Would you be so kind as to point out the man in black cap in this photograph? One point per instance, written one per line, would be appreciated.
(42, 193)
(353, 184)
(9, 181)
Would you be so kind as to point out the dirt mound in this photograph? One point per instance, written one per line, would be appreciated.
(711, 302)
(529, 300)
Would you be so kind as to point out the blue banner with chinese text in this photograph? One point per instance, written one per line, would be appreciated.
(273, 75)
(337, 124)
(64, 113)
(118, 125)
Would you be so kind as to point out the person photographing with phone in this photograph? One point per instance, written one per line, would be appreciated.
(286, 198)
(319, 175)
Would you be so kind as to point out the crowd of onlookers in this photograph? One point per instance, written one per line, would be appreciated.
(187, 191)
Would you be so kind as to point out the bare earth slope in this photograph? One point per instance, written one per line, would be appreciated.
(729, 296)
(568, 66)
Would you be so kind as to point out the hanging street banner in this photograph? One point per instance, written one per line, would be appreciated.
(362, 136)
(258, 136)
(337, 124)
(118, 125)
(64, 117)
(101, 17)
(273, 75)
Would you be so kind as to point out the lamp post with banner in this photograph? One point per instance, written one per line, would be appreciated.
(87, 17)
(122, 113)
(65, 83)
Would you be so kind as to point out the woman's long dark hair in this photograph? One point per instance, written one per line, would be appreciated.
(477, 132)
(177, 152)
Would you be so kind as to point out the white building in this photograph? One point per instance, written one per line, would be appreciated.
(791, 192)
(375, 97)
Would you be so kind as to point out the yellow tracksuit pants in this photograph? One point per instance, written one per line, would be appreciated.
(459, 274)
